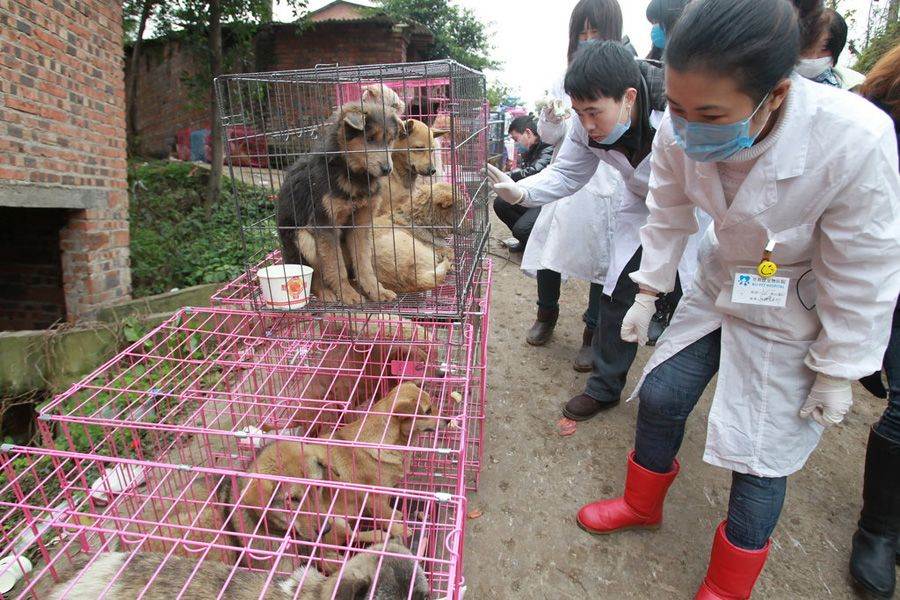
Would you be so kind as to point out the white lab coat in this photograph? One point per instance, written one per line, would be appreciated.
(574, 236)
(827, 194)
(575, 164)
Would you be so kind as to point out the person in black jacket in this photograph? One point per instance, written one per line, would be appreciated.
(534, 155)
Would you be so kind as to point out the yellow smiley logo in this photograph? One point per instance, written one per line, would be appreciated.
(767, 268)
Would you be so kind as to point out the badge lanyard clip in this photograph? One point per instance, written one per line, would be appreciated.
(767, 268)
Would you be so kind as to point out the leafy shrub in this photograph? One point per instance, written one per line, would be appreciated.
(174, 243)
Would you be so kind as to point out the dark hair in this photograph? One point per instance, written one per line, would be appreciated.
(837, 33)
(665, 12)
(604, 15)
(812, 23)
(602, 70)
(520, 124)
(757, 42)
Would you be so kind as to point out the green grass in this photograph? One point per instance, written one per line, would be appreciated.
(174, 243)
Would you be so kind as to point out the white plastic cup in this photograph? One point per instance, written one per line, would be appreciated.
(285, 286)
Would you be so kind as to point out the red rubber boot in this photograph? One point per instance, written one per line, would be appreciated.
(732, 571)
(640, 506)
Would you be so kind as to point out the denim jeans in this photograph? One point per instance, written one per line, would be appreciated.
(889, 424)
(667, 396)
(548, 286)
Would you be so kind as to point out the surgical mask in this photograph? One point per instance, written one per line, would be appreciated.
(813, 67)
(618, 130)
(583, 43)
(522, 148)
(658, 36)
(707, 142)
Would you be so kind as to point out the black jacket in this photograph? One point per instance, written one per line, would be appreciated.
(534, 161)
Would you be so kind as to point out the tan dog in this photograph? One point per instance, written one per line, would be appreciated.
(414, 153)
(411, 250)
(395, 420)
(328, 199)
(129, 577)
(347, 371)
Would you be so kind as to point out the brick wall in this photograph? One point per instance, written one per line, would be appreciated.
(31, 291)
(62, 138)
(166, 103)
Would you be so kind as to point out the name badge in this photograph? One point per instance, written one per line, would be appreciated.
(750, 288)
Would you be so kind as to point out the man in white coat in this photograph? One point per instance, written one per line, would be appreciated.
(619, 101)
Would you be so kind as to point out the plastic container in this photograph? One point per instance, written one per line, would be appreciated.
(285, 286)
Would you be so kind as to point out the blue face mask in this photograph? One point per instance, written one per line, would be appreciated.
(583, 43)
(618, 130)
(522, 148)
(706, 142)
(658, 36)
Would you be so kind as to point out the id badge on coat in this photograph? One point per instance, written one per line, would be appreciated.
(750, 288)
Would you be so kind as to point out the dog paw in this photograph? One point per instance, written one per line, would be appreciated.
(351, 296)
(384, 295)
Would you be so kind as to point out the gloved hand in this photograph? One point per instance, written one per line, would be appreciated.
(637, 319)
(829, 400)
(510, 191)
(555, 111)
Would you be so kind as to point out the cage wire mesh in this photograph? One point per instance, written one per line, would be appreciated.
(376, 180)
(197, 532)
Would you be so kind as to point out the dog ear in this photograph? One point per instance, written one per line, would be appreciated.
(368, 94)
(406, 128)
(355, 120)
(439, 132)
(406, 400)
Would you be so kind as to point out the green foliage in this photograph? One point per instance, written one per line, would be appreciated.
(879, 45)
(458, 34)
(173, 242)
(500, 94)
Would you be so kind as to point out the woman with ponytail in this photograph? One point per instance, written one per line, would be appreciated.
(797, 281)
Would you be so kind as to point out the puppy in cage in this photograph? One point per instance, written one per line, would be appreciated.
(153, 576)
(329, 197)
(278, 507)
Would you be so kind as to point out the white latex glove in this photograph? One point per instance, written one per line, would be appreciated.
(510, 191)
(829, 400)
(555, 111)
(637, 319)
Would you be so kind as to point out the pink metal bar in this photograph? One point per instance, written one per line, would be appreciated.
(182, 523)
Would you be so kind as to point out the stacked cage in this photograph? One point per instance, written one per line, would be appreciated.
(313, 435)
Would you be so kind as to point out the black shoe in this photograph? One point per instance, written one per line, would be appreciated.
(584, 360)
(874, 554)
(516, 248)
(543, 327)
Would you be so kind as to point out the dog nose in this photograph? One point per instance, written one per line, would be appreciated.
(385, 169)
(432, 170)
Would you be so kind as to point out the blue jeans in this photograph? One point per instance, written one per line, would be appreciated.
(889, 424)
(668, 396)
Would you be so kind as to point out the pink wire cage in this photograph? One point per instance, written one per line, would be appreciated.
(214, 387)
(175, 527)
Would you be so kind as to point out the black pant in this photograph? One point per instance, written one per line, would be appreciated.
(548, 287)
(519, 219)
(612, 355)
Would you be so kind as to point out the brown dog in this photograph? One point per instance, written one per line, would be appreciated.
(411, 250)
(395, 420)
(413, 154)
(328, 198)
(154, 576)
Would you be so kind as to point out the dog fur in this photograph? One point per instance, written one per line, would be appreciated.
(130, 575)
(328, 199)
(414, 153)
(378, 93)
(411, 251)
(394, 420)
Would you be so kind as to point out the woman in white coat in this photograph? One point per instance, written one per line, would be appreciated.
(572, 237)
(797, 280)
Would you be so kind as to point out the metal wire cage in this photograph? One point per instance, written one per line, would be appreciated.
(376, 181)
(383, 398)
(190, 532)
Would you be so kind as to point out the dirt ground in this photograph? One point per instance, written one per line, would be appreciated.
(526, 544)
